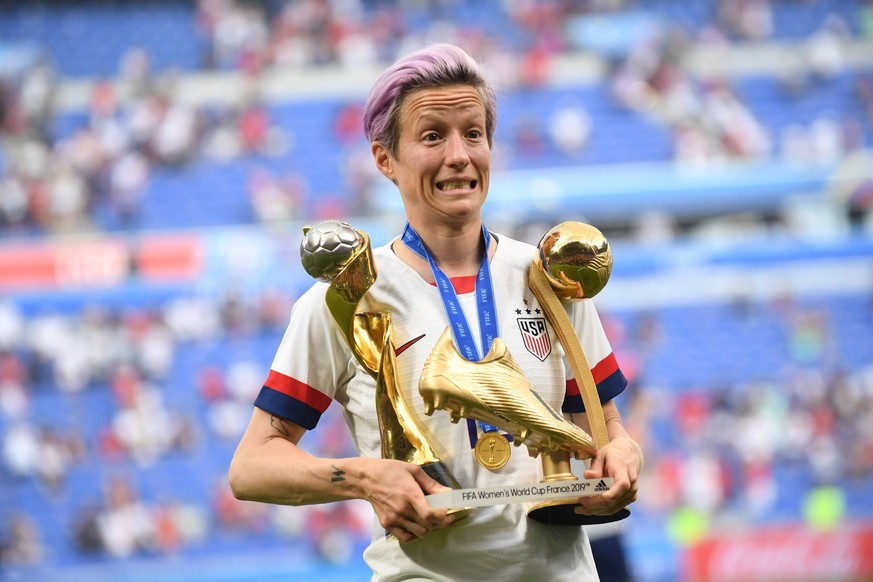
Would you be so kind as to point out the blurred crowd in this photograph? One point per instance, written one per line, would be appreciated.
(134, 125)
(710, 121)
(96, 173)
(127, 359)
(732, 452)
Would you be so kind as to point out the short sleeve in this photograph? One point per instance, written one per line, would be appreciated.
(310, 365)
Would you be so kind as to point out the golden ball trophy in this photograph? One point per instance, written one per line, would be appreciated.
(574, 263)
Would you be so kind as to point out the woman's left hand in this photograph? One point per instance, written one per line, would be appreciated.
(621, 459)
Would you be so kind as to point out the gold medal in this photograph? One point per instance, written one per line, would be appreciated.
(492, 450)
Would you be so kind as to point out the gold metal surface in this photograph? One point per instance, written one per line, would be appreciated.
(492, 450)
(574, 261)
(345, 292)
(556, 467)
(402, 436)
(563, 327)
(577, 260)
(496, 391)
(368, 335)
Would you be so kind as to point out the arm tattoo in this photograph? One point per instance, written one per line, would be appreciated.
(337, 474)
(276, 423)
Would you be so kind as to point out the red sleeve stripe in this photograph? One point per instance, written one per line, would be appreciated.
(604, 368)
(297, 390)
(572, 388)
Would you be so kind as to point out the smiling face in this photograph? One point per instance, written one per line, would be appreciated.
(443, 160)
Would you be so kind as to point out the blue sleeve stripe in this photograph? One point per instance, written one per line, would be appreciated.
(284, 406)
(608, 388)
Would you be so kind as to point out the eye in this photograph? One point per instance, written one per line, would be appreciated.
(431, 136)
(474, 134)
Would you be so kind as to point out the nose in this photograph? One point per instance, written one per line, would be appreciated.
(456, 151)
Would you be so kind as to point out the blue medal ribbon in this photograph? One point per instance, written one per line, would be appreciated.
(485, 304)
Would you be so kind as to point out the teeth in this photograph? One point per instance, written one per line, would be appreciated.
(454, 185)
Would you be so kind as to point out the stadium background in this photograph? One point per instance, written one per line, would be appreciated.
(160, 158)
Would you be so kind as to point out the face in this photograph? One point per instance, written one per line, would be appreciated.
(443, 159)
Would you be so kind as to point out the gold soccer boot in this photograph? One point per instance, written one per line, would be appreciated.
(495, 390)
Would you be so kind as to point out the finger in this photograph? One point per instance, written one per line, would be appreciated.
(588, 508)
(420, 518)
(595, 471)
(612, 498)
(599, 511)
(591, 506)
(440, 518)
(606, 504)
(417, 530)
(423, 512)
(401, 535)
(428, 484)
(407, 525)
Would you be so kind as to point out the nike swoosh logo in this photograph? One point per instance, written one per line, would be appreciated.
(404, 347)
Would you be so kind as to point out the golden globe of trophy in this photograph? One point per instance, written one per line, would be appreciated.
(573, 262)
(576, 259)
(336, 253)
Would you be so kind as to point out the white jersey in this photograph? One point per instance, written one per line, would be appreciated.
(314, 366)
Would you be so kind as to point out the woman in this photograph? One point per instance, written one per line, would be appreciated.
(431, 119)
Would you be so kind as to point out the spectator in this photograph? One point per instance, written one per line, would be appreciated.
(125, 524)
(20, 544)
(570, 128)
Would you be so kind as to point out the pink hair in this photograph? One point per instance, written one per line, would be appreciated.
(439, 65)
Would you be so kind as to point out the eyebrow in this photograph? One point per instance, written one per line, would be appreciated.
(466, 111)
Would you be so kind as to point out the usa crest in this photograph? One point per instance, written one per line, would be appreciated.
(535, 336)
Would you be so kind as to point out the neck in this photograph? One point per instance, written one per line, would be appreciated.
(458, 253)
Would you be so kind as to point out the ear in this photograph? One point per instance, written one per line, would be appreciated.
(383, 160)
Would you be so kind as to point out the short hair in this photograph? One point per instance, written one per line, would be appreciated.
(438, 65)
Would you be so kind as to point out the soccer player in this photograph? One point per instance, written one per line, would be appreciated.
(430, 118)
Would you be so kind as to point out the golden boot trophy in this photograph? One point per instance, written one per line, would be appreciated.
(573, 262)
(335, 252)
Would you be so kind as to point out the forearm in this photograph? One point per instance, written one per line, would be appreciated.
(274, 474)
(614, 428)
(268, 466)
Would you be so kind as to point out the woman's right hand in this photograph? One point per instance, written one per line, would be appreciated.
(397, 490)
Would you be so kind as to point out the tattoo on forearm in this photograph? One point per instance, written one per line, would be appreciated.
(277, 423)
(337, 474)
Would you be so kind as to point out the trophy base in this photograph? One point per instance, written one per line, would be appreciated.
(562, 512)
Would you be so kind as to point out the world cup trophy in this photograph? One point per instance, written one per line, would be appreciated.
(573, 262)
(335, 252)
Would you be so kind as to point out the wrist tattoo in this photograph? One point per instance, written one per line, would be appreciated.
(338, 474)
(277, 423)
